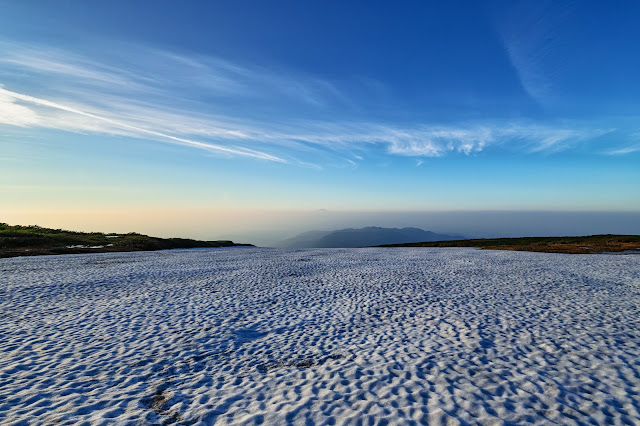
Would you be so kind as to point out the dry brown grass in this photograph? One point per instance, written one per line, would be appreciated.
(574, 245)
(571, 248)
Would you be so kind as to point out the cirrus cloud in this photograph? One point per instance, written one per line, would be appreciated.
(141, 99)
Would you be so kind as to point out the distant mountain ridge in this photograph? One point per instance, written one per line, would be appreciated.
(363, 237)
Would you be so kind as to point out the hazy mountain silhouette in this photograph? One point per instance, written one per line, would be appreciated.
(363, 237)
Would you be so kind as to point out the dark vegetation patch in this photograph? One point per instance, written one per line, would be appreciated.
(159, 403)
(574, 245)
(36, 240)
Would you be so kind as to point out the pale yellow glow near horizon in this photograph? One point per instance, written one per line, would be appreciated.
(264, 227)
(162, 222)
(250, 225)
(257, 225)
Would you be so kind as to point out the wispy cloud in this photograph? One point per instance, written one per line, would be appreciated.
(624, 151)
(544, 139)
(178, 128)
(219, 106)
(529, 32)
(113, 126)
(14, 114)
(437, 141)
(157, 72)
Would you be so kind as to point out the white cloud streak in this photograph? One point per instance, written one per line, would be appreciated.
(624, 151)
(422, 141)
(14, 114)
(139, 101)
(158, 72)
(530, 36)
(437, 141)
(114, 125)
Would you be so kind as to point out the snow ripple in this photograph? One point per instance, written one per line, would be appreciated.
(331, 336)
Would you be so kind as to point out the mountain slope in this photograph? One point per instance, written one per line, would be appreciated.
(306, 239)
(36, 240)
(363, 237)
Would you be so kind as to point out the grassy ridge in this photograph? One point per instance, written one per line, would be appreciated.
(576, 245)
(35, 240)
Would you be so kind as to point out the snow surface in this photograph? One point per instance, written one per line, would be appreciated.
(353, 336)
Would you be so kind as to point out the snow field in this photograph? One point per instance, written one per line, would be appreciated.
(326, 336)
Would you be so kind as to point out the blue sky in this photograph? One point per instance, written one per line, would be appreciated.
(250, 107)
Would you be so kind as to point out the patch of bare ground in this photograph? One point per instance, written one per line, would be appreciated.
(607, 243)
(570, 248)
